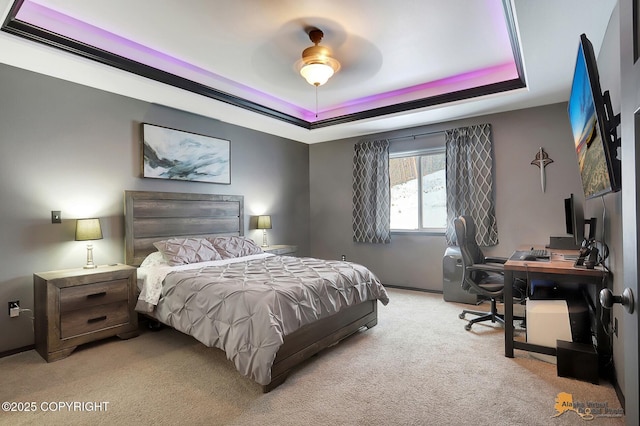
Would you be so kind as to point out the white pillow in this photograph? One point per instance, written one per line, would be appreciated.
(154, 259)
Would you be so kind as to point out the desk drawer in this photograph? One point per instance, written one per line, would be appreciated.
(88, 295)
(88, 320)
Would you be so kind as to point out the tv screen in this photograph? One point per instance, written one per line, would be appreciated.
(591, 131)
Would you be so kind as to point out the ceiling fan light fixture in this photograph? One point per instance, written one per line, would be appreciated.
(316, 74)
(317, 65)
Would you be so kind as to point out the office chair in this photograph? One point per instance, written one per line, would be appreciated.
(480, 275)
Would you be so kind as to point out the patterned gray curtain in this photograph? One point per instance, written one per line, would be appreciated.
(371, 192)
(470, 181)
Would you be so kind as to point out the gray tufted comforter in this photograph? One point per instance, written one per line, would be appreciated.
(246, 308)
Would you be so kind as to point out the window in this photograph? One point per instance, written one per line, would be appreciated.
(418, 204)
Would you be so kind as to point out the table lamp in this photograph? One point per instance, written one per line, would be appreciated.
(264, 223)
(88, 230)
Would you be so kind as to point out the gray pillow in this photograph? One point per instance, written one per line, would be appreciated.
(181, 251)
(230, 247)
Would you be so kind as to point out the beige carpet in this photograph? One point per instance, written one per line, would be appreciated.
(418, 366)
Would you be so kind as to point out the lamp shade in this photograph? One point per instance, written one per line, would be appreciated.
(264, 222)
(88, 229)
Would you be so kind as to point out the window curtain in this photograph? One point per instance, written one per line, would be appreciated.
(371, 192)
(469, 171)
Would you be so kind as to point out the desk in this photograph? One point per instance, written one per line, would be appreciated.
(560, 271)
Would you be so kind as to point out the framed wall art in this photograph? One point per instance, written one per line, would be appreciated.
(179, 155)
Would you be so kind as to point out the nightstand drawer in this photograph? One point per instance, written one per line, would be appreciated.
(93, 319)
(86, 296)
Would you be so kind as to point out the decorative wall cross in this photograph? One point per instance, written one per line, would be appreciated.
(541, 160)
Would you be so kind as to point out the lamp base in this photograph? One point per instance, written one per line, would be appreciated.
(90, 264)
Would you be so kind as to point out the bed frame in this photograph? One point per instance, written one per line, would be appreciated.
(154, 216)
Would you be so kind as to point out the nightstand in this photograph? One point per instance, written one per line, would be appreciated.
(282, 250)
(76, 306)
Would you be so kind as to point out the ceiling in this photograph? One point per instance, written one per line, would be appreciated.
(404, 63)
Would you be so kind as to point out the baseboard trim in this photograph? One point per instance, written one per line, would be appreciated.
(616, 386)
(16, 351)
(424, 290)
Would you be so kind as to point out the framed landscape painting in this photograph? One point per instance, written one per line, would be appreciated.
(179, 155)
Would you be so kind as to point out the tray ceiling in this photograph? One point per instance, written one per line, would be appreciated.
(404, 63)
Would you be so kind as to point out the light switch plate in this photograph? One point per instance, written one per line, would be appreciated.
(56, 216)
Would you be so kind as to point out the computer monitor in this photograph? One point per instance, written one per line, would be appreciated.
(574, 220)
(576, 223)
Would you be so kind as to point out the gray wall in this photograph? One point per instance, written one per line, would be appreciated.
(76, 149)
(524, 213)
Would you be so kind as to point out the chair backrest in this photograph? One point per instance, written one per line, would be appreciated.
(472, 255)
(466, 235)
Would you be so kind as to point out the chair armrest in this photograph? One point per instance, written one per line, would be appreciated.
(491, 259)
(486, 268)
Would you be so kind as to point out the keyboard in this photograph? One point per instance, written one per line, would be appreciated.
(539, 253)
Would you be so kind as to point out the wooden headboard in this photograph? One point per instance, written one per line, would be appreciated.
(153, 216)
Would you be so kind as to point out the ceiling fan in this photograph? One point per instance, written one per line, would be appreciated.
(317, 66)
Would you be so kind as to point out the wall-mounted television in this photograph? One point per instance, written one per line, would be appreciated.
(594, 126)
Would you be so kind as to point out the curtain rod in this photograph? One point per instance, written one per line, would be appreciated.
(435, 132)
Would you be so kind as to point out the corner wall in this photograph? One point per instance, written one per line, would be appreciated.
(525, 214)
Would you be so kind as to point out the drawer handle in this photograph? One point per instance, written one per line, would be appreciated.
(96, 295)
(97, 319)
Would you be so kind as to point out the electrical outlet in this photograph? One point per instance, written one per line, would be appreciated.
(14, 308)
(615, 326)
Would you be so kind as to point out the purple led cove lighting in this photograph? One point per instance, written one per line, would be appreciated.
(468, 80)
(472, 79)
(476, 78)
(75, 29)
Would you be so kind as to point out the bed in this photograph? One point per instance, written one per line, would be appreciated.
(337, 298)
